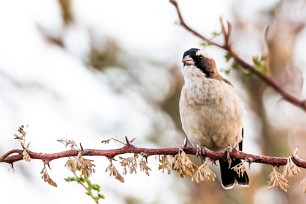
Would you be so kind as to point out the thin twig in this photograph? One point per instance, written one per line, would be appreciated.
(182, 22)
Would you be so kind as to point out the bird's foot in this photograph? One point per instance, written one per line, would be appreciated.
(228, 150)
(201, 151)
(198, 151)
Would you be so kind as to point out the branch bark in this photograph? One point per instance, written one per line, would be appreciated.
(16, 155)
(243, 64)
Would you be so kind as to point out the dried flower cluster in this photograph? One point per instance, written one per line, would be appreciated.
(79, 163)
(240, 169)
(203, 173)
(185, 167)
(143, 166)
(45, 176)
(290, 169)
(277, 179)
(129, 163)
(164, 164)
(114, 172)
(21, 137)
(69, 144)
(181, 164)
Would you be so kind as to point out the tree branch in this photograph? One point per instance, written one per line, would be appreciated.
(243, 64)
(11, 156)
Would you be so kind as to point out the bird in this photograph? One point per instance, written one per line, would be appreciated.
(212, 113)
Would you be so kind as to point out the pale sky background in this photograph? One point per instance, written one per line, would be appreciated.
(52, 90)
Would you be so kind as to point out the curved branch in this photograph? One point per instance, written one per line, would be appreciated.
(129, 148)
(9, 154)
(245, 65)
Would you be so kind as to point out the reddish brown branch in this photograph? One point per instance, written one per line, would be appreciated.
(243, 64)
(186, 26)
(275, 161)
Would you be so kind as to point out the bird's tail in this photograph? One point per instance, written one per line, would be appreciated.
(229, 177)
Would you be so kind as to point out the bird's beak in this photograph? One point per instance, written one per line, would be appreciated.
(188, 60)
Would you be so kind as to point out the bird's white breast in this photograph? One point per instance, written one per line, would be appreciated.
(210, 110)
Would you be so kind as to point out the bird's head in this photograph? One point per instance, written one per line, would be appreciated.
(196, 58)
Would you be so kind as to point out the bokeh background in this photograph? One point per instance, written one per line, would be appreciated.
(92, 70)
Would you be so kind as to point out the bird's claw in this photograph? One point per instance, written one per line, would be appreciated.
(198, 151)
(201, 151)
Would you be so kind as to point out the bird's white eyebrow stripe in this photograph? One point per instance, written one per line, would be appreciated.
(203, 53)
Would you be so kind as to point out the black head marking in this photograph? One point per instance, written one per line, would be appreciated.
(191, 52)
(204, 63)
